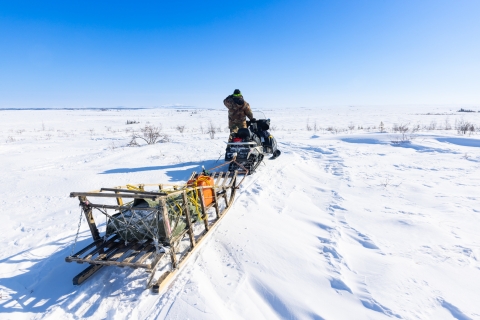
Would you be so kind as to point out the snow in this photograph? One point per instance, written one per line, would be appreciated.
(347, 223)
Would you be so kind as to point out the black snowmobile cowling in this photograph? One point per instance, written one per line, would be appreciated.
(250, 145)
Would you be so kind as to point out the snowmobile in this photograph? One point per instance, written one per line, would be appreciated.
(248, 146)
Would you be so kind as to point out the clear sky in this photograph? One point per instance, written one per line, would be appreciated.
(279, 53)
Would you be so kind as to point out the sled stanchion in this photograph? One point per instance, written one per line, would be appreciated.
(232, 187)
(227, 175)
(87, 210)
(219, 178)
(166, 221)
(189, 220)
(173, 256)
(216, 204)
(204, 211)
(119, 200)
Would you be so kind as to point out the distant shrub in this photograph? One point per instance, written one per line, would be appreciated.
(211, 130)
(402, 128)
(315, 127)
(381, 127)
(309, 127)
(463, 127)
(465, 110)
(180, 128)
(150, 134)
(447, 124)
(432, 126)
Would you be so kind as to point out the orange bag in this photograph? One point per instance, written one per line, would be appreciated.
(204, 181)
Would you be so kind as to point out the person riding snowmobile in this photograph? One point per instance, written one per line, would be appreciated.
(238, 109)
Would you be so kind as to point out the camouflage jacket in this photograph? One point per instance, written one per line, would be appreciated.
(238, 109)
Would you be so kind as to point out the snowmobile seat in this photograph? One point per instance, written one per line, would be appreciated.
(244, 133)
(263, 124)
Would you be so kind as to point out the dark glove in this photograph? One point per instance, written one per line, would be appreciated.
(253, 120)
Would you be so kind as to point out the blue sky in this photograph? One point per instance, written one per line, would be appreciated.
(279, 53)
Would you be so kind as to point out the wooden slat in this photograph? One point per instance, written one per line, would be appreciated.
(137, 250)
(106, 245)
(122, 251)
(146, 255)
(134, 191)
(112, 195)
(140, 256)
(114, 263)
(90, 246)
(115, 207)
(152, 265)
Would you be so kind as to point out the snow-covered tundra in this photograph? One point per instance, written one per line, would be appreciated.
(369, 213)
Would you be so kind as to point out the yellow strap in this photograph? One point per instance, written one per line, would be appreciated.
(130, 187)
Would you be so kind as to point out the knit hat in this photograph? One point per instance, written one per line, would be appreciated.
(236, 92)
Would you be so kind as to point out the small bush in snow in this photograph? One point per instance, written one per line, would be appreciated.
(149, 134)
(211, 130)
(463, 127)
(315, 127)
(447, 124)
(112, 146)
(309, 127)
(180, 128)
(402, 128)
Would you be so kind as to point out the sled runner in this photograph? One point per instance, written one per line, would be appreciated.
(160, 226)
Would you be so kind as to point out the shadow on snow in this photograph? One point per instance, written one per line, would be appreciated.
(47, 282)
(176, 172)
(461, 141)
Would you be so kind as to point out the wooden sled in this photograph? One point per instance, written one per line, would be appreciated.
(164, 244)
